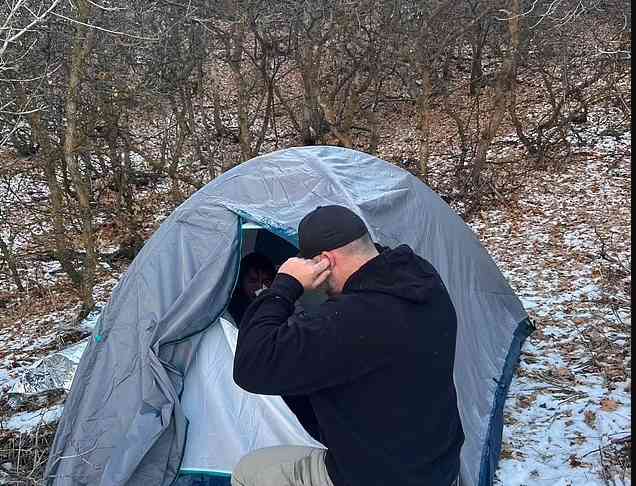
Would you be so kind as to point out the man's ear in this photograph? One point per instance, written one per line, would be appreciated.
(329, 256)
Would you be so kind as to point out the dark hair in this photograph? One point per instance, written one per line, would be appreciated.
(255, 261)
(240, 301)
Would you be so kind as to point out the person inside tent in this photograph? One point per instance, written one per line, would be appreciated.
(256, 274)
(373, 364)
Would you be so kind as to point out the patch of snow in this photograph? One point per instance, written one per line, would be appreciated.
(5, 379)
(24, 422)
(550, 251)
(90, 321)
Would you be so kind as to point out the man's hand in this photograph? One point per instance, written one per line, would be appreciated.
(310, 273)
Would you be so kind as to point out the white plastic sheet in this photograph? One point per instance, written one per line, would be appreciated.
(226, 422)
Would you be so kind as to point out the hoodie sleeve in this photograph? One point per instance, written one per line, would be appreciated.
(279, 353)
(301, 406)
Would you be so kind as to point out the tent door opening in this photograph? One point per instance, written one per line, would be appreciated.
(226, 422)
(258, 239)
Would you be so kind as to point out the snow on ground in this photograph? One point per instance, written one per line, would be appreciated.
(559, 244)
(28, 421)
(22, 226)
(24, 345)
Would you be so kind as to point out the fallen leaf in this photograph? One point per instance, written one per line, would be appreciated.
(608, 405)
(506, 451)
(563, 373)
(574, 461)
(525, 402)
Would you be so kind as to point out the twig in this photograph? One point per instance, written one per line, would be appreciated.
(114, 32)
(605, 474)
(621, 440)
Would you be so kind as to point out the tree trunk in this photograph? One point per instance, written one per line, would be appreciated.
(120, 160)
(133, 241)
(477, 40)
(245, 137)
(288, 109)
(424, 121)
(352, 106)
(63, 251)
(312, 113)
(82, 46)
(9, 257)
(476, 71)
(371, 113)
(219, 127)
(503, 89)
(269, 114)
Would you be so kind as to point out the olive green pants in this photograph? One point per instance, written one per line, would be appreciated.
(282, 466)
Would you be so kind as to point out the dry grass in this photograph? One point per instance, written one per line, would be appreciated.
(23, 456)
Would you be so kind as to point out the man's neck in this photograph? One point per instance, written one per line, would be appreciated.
(356, 264)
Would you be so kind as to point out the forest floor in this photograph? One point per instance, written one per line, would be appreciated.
(565, 246)
(563, 242)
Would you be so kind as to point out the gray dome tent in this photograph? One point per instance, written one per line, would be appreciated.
(138, 385)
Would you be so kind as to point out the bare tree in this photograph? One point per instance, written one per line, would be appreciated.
(20, 32)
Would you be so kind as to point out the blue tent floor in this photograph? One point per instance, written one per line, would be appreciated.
(202, 478)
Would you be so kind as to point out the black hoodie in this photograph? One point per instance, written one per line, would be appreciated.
(376, 365)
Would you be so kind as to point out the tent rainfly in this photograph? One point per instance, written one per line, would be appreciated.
(153, 401)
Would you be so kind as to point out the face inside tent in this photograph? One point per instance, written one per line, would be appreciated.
(226, 422)
(153, 389)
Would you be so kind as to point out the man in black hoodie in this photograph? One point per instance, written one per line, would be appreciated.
(369, 374)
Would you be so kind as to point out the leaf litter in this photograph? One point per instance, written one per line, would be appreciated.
(564, 245)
